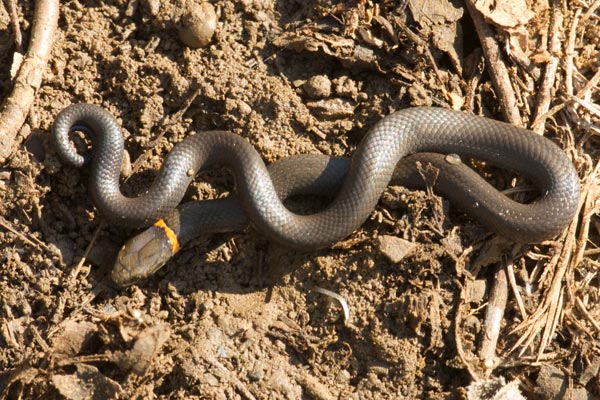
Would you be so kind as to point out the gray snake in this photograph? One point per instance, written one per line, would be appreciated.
(405, 132)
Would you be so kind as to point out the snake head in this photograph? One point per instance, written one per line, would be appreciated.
(142, 255)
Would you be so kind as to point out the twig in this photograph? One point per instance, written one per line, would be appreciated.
(29, 239)
(544, 94)
(9, 227)
(493, 318)
(513, 284)
(589, 85)
(79, 265)
(586, 314)
(570, 53)
(590, 11)
(581, 94)
(590, 208)
(457, 336)
(339, 298)
(496, 67)
(11, 7)
(29, 78)
(473, 82)
(591, 107)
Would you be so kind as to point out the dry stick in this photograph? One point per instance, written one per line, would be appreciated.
(572, 110)
(497, 69)
(75, 271)
(29, 78)
(544, 94)
(589, 85)
(590, 11)
(513, 284)
(586, 314)
(29, 239)
(590, 209)
(580, 94)
(472, 85)
(457, 334)
(11, 7)
(591, 107)
(539, 319)
(493, 318)
(570, 53)
(9, 227)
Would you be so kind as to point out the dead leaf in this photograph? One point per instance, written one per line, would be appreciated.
(511, 16)
(507, 14)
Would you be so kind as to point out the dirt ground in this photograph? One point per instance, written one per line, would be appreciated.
(233, 316)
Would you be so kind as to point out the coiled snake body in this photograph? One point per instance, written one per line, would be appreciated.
(361, 180)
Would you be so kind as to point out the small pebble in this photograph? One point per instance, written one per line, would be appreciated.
(395, 248)
(332, 108)
(255, 375)
(318, 87)
(198, 24)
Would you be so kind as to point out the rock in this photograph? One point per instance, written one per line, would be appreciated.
(395, 248)
(553, 384)
(198, 24)
(318, 87)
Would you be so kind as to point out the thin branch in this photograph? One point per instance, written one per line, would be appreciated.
(11, 8)
(498, 71)
(544, 96)
(493, 318)
(16, 107)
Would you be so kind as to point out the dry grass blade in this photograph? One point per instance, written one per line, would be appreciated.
(545, 319)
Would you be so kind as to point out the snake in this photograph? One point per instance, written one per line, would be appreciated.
(444, 136)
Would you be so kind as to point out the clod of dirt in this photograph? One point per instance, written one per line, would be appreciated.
(145, 349)
(35, 144)
(104, 252)
(494, 389)
(86, 383)
(553, 384)
(475, 290)
(395, 248)
(73, 336)
(198, 24)
(313, 387)
(318, 87)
